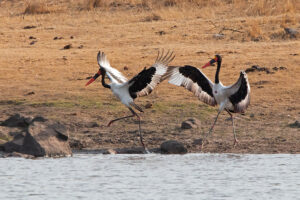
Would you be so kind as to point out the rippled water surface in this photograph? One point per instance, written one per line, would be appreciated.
(152, 176)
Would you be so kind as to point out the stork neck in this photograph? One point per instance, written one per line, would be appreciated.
(217, 72)
(103, 80)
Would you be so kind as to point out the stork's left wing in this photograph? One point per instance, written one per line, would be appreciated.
(114, 73)
(144, 82)
(239, 93)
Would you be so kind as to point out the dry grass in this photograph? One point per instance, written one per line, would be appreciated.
(36, 7)
(129, 34)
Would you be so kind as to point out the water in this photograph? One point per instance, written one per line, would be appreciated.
(152, 176)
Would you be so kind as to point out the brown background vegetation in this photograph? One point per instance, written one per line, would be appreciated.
(39, 77)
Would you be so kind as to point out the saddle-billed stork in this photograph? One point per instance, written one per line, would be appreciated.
(234, 98)
(140, 85)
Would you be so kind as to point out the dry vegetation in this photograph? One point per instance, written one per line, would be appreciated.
(39, 76)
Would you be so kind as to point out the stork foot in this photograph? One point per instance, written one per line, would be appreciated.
(108, 125)
(236, 142)
(146, 151)
(204, 141)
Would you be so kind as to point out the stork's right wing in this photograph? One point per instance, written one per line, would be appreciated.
(239, 93)
(195, 81)
(114, 73)
(144, 82)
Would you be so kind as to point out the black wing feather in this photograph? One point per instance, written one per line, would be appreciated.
(140, 81)
(196, 76)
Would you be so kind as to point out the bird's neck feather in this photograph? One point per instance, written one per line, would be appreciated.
(217, 72)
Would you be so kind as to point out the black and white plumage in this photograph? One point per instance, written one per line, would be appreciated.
(234, 98)
(140, 85)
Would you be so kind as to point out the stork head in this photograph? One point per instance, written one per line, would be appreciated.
(217, 59)
(101, 70)
(94, 77)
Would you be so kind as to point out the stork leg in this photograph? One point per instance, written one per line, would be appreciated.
(112, 121)
(234, 134)
(210, 130)
(139, 119)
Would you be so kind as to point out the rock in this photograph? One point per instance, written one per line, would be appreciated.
(91, 125)
(41, 139)
(172, 147)
(110, 151)
(68, 46)
(218, 36)
(20, 155)
(132, 150)
(190, 123)
(259, 69)
(76, 144)
(30, 93)
(125, 68)
(17, 120)
(22, 121)
(293, 33)
(296, 124)
(198, 141)
(32, 38)
(15, 144)
(148, 105)
(57, 38)
(29, 27)
(161, 32)
(33, 42)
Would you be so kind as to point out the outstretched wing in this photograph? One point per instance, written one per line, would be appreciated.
(239, 93)
(112, 72)
(195, 81)
(144, 82)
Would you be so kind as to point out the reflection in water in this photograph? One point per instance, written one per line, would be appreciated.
(152, 176)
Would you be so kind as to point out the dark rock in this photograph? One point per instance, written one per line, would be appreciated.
(76, 144)
(80, 46)
(21, 121)
(14, 145)
(172, 147)
(259, 69)
(132, 150)
(191, 123)
(71, 37)
(17, 120)
(91, 125)
(148, 105)
(41, 139)
(32, 38)
(33, 42)
(198, 141)
(58, 38)
(29, 27)
(282, 68)
(161, 32)
(68, 46)
(296, 124)
(1, 147)
(125, 68)
(30, 93)
(293, 33)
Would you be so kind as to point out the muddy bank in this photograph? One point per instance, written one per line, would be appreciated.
(88, 134)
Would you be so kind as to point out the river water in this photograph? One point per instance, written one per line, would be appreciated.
(152, 176)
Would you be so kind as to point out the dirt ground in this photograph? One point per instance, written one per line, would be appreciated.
(40, 75)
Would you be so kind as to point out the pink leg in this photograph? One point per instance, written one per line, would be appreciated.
(210, 130)
(234, 134)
